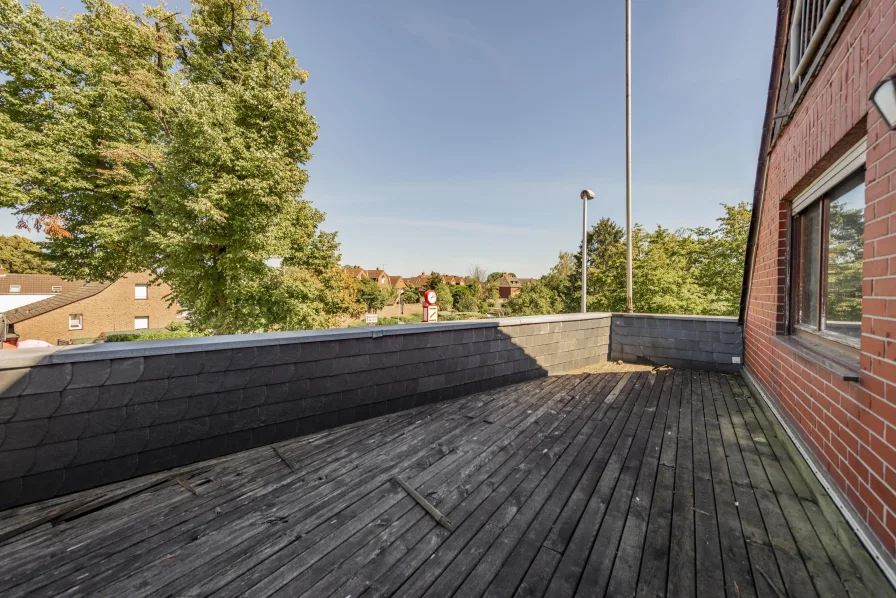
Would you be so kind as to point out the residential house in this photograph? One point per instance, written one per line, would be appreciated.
(508, 286)
(819, 301)
(397, 282)
(380, 276)
(17, 290)
(88, 311)
(358, 273)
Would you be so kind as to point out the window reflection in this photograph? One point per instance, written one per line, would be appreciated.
(843, 302)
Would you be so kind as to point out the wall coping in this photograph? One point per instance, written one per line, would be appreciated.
(23, 358)
(677, 317)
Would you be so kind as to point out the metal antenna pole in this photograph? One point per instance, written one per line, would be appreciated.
(629, 304)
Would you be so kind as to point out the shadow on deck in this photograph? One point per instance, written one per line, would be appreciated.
(612, 481)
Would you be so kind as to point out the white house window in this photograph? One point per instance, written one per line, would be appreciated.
(811, 21)
(141, 322)
(14, 288)
(76, 321)
(141, 291)
(56, 289)
(828, 238)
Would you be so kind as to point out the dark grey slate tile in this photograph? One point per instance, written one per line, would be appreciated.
(90, 373)
(48, 457)
(124, 371)
(37, 406)
(25, 434)
(66, 427)
(78, 400)
(48, 378)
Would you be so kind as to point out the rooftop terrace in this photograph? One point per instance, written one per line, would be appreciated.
(614, 480)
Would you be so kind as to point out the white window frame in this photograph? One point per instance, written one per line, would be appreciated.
(15, 288)
(833, 176)
(80, 322)
(808, 28)
(145, 288)
(141, 318)
(56, 289)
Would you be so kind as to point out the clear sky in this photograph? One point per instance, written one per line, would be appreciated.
(458, 133)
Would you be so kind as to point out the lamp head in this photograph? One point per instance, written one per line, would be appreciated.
(586, 194)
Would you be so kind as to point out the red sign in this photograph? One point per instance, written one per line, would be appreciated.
(429, 297)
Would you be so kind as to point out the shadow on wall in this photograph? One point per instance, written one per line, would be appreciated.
(73, 418)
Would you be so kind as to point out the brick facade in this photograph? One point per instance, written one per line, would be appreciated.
(849, 426)
(112, 309)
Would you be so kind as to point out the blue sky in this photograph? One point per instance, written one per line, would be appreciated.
(459, 133)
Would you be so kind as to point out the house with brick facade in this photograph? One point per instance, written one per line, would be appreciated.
(17, 290)
(819, 301)
(93, 309)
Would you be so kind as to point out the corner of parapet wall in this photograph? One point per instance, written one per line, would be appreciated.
(697, 342)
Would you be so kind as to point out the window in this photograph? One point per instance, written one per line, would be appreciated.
(811, 21)
(141, 322)
(141, 291)
(828, 237)
(56, 289)
(75, 321)
(14, 288)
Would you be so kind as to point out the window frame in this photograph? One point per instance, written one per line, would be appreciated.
(145, 289)
(819, 192)
(15, 288)
(56, 289)
(141, 318)
(80, 325)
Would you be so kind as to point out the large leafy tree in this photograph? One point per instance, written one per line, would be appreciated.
(22, 256)
(174, 144)
(689, 271)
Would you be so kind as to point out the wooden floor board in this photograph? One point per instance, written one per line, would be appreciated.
(615, 481)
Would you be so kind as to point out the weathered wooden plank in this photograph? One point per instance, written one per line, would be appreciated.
(710, 574)
(626, 565)
(763, 563)
(535, 583)
(397, 550)
(324, 570)
(544, 456)
(569, 571)
(738, 574)
(655, 559)
(681, 581)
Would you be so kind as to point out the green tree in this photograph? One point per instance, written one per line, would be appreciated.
(444, 299)
(373, 296)
(536, 298)
(175, 145)
(21, 255)
(606, 270)
(465, 298)
(719, 259)
(411, 295)
(435, 281)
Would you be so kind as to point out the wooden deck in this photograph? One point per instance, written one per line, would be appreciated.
(615, 482)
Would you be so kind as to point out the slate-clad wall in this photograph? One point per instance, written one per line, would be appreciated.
(72, 418)
(699, 342)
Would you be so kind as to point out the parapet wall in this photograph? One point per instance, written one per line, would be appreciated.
(699, 342)
(73, 418)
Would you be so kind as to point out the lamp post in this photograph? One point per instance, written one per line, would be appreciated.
(586, 195)
(884, 98)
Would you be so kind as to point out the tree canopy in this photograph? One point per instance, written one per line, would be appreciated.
(21, 255)
(173, 144)
(689, 271)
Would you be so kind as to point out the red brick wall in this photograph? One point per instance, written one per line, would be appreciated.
(851, 427)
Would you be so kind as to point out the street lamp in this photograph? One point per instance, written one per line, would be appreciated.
(884, 98)
(586, 195)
